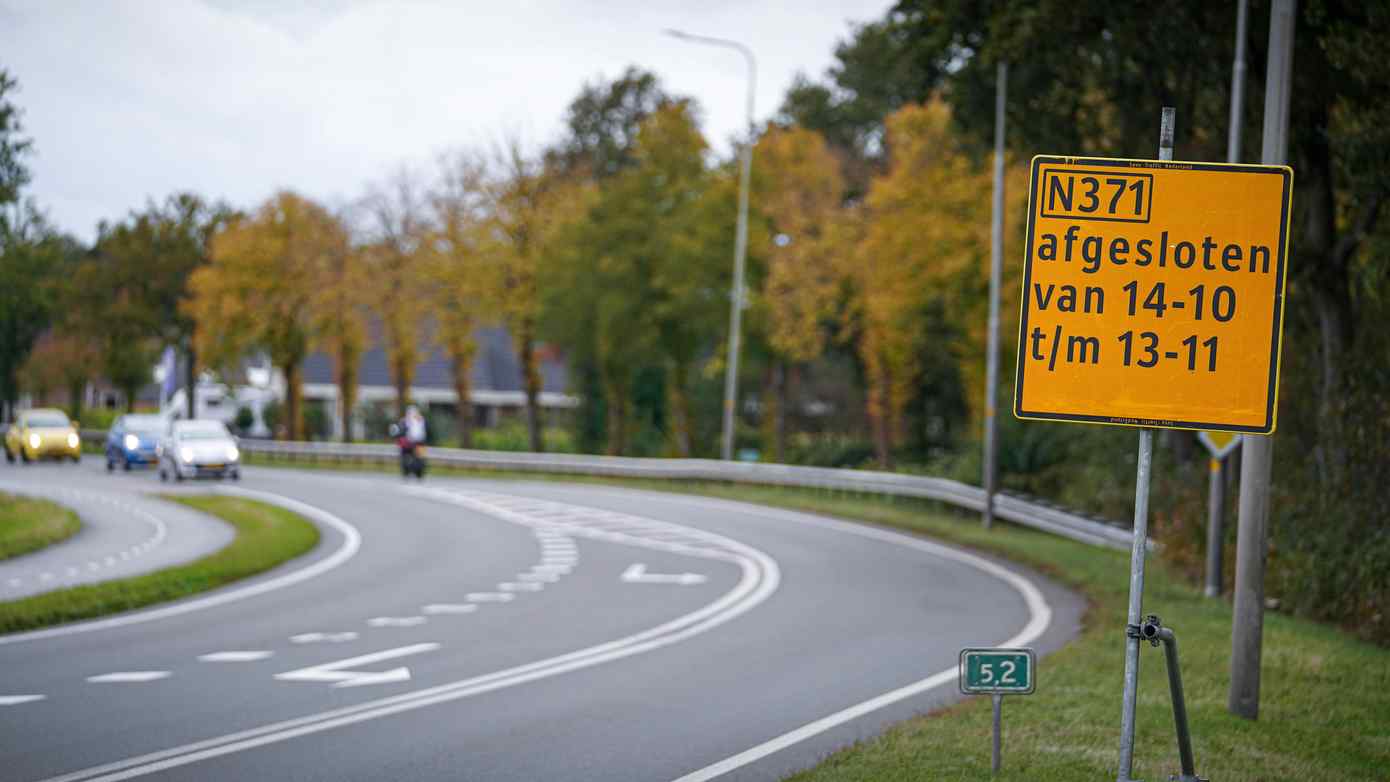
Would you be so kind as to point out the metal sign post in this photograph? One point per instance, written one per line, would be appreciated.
(997, 672)
(1153, 297)
(1219, 445)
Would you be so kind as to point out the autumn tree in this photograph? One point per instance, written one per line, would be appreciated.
(461, 273)
(261, 288)
(340, 308)
(62, 360)
(398, 259)
(926, 223)
(799, 192)
(529, 204)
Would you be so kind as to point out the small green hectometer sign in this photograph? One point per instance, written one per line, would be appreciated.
(997, 671)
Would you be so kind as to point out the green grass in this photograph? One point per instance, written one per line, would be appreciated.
(266, 536)
(1325, 701)
(28, 524)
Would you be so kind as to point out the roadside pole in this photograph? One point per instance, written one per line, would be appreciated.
(1216, 494)
(1216, 511)
(1247, 627)
(996, 267)
(1139, 548)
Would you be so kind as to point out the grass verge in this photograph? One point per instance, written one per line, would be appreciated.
(28, 524)
(1323, 715)
(266, 535)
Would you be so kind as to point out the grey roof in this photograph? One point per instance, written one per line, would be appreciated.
(495, 366)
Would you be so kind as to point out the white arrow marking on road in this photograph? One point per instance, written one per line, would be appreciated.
(123, 677)
(15, 700)
(333, 672)
(396, 621)
(637, 574)
(332, 638)
(234, 657)
(449, 608)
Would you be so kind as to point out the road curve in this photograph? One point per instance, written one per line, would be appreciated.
(518, 631)
(124, 533)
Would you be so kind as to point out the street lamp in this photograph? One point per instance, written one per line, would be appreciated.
(740, 241)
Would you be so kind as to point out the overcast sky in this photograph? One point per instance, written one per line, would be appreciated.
(234, 99)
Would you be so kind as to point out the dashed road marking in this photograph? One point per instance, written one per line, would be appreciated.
(449, 608)
(332, 638)
(235, 657)
(15, 700)
(396, 621)
(512, 586)
(489, 597)
(129, 677)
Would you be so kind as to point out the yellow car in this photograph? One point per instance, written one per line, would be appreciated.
(42, 434)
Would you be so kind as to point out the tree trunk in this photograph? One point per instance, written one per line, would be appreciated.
(294, 395)
(349, 360)
(402, 375)
(190, 378)
(130, 393)
(615, 400)
(75, 389)
(779, 420)
(462, 354)
(680, 408)
(531, 380)
(881, 414)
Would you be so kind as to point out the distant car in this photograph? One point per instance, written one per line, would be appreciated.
(43, 433)
(197, 448)
(134, 440)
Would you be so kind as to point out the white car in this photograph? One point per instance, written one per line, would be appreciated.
(199, 447)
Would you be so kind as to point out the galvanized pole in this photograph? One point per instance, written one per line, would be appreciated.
(995, 761)
(1237, 86)
(996, 269)
(1247, 626)
(740, 242)
(1216, 512)
(1139, 546)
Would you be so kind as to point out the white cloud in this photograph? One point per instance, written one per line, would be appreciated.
(234, 98)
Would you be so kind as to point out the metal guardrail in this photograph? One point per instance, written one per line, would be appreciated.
(962, 495)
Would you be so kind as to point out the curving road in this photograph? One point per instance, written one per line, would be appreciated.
(489, 630)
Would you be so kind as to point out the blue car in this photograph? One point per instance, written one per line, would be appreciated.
(133, 440)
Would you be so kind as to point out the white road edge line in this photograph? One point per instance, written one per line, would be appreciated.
(352, 541)
(1039, 611)
(760, 579)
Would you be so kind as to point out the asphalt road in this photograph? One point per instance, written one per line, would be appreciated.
(123, 533)
(490, 630)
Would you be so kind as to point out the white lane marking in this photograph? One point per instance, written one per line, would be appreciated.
(396, 621)
(72, 571)
(760, 579)
(637, 574)
(15, 700)
(332, 638)
(489, 597)
(248, 656)
(548, 578)
(1040, 616)
(449, 608)
(512, 586)
(14, 582)
(45, 576)
(561, 569)
(109, 561)
(334, 671)
(352, 541)
(126, 677)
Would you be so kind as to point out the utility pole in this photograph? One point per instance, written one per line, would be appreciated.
(740, 241)
(1216, 494)
(996, 267)
(1247, 626)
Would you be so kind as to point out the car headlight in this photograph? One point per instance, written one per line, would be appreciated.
(186, 454)
(73, 440)
(232, 453)
(34, 440)
(131, 442)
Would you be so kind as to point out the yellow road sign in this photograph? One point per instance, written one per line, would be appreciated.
(1219, 444)
(1153, 293)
